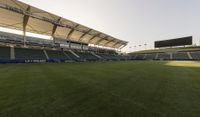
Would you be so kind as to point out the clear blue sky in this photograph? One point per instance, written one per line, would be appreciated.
(136, 21)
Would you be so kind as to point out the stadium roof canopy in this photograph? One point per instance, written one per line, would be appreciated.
(17, 15)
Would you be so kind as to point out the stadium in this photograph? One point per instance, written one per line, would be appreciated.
(82, 72)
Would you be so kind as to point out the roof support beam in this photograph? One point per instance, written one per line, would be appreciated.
(108, 42)
(122, 47)
(54, 30)
(84, 34)
(100, 40)
(21, 11)
(115, 44)
(94, 37)
(25, 22)
(27, 13)
(71, 32)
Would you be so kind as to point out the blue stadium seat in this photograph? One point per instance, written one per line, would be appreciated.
(29, 54)
(4, 53)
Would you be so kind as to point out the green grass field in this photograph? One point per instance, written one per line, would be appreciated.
(101, 89)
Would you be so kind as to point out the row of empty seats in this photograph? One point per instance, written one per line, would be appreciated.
(56, 55)
(7, 53)
(164, 56)
(18, 39)
(86, 56)
(92, 54)
(195, 55)
(20, 54)
(29, 54)
(4, 53)
(180, 56)
(150, 56)
(108, 56)
(139, 56)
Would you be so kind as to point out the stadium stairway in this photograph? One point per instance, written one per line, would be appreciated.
(12, 53)
(57, 56)
(180, 56)
(45, 52)
(156, 57)
(96, 55)
(72, 55)
(189, 55)
(67, 55)
(195, 55)
(86, 56)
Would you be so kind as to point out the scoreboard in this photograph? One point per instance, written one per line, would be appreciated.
(174, 42)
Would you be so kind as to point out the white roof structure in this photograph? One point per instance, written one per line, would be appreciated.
(17, 15)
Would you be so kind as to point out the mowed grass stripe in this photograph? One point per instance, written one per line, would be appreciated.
(108, 89)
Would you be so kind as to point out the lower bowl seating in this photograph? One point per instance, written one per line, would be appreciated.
(150, 56)
(57, 55)
(140, 57)
(195, 55)
(163, 56)
(109, 56)
(180, 56)
(4, 53)
(29, 54)
(87, 56)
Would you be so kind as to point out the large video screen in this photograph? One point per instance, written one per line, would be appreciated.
(174, 42)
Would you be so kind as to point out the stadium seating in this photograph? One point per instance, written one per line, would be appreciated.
(57, 55)
(150, 56)
(140, 57)
(180, 56)
(133, 56)
(106, 56)
(39, 42)
(71, 56)
(4, 53)
(18, 39)
(29, 54)
(87, 56)
(195, 55)
(124, 57)
(20, 54)
(163, 56)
